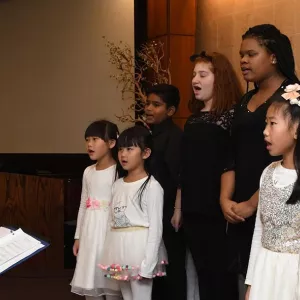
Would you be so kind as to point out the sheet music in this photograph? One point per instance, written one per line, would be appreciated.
(16, 246)
(20, 257)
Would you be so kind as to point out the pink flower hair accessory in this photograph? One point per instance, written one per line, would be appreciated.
(291, 94)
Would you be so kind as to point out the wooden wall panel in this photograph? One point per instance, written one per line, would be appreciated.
(72, 193)
(157, 18)
(175, 20)
(36, 205)
(181, 48)
(182, 17)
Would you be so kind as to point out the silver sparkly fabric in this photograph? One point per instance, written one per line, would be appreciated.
(281, 221)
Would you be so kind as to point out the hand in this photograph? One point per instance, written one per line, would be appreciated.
(230, 215)
(176, 219)
(244, 209)
(248, 292)
(76, 247)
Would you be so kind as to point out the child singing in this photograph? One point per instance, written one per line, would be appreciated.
(133, 253)
(273, 272)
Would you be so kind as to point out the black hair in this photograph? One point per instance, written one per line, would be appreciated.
(292, 112)
(106, 131)
(138, 136)
(168, 93)
(276, 43)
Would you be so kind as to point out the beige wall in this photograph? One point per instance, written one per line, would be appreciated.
(54, 70)
(221, 23)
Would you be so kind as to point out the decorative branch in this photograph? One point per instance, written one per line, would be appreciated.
(134, 73)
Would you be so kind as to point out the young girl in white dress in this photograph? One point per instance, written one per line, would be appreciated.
(101, 137)
(273, 272)
(133, 254)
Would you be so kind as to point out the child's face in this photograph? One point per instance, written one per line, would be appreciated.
(96, 147)
(131, 158)
(203, 81)
(156, 110)
(256, 62)
(280, 134)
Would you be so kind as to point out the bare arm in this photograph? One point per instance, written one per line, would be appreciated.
(253, 201)
(227, 185)
(176, 220)
(247, 208)
(178, 200)
(227, 205)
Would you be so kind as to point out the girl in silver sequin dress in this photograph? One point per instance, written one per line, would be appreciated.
(273, 272)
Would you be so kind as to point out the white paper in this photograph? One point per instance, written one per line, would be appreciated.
(20, 257)
(16, 246)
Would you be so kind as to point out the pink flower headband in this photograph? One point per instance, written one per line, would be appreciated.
(291, 93)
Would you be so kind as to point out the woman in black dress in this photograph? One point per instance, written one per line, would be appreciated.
(266, 60)
(205, 142)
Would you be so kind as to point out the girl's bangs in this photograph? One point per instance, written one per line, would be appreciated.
(128, 140)
(96, 129)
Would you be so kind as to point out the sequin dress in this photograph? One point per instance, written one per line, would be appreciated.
(273, 271)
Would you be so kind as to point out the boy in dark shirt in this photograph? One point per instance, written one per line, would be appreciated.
(162, 103)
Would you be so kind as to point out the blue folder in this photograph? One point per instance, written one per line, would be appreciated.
(46, 244)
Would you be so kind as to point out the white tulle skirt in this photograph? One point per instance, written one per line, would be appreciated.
(275, 276)
(88, 280)
(124, 253)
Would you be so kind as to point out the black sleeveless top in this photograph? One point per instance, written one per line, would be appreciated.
(251, 156)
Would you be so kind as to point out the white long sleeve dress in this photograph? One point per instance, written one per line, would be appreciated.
(134, 245)
(92, 223)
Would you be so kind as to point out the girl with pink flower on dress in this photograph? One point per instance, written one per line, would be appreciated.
(88, 280)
